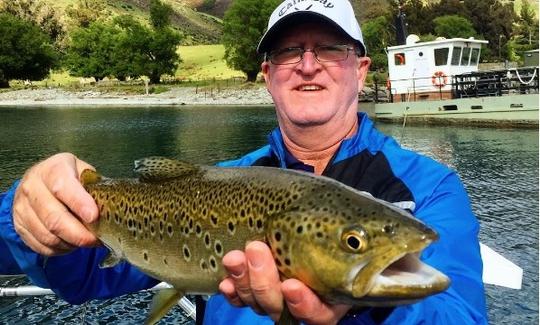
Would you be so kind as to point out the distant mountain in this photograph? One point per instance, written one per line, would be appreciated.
(200, 20)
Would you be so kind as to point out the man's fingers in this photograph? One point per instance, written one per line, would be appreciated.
(235, 264)
(62, 180)
(58, 220)
(29, 225)
(264, 278)
(304, 304)
(227, 288)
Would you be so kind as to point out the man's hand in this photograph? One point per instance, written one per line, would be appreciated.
(254, 280)
(49, 205)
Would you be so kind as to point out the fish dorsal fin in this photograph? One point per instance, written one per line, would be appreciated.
(162, 302)
(153, 169)
(89, 176)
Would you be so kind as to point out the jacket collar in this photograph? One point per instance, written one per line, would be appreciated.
(348, 147)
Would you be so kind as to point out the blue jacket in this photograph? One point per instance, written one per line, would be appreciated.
(369, 161)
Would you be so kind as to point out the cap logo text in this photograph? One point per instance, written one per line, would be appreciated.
(293, 5)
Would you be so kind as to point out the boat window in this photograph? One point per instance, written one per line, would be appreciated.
(399, 59)
(466, 55)
(441, 56)
(475, 55)
(456, 55)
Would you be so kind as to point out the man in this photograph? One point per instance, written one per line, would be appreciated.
(314, 66)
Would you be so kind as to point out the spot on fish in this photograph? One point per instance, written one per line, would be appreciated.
(213, 263)
(198, 230)
(231, 227)
(145, 256)
(165, 261)
(277, 236)
(299, 229)
(170, 230)
(287, 261)
(214, 220)
(218, 248)
(207, 239)
(259, 224)
(187, 253)
(203, 265)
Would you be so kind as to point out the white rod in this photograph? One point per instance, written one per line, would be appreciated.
(187, 306)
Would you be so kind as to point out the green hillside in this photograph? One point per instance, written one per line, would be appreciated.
(197, 27)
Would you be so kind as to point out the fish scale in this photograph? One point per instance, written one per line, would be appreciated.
(177, 220)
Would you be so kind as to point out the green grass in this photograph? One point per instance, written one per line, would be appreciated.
(204, 62)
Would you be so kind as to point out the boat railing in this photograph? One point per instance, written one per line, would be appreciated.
(514, 81)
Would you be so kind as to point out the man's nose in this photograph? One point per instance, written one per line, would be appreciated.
(309, 63)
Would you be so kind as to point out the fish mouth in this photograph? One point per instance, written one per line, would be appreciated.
(405, 280)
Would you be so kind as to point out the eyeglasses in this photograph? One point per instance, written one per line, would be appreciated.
(323, 53)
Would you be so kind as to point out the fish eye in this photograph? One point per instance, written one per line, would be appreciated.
(355, 240)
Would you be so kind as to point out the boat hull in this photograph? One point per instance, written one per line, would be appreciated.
(498, 111)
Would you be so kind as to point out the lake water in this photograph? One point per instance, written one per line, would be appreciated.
(498, 166)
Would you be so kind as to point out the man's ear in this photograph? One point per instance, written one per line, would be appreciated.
(363, 68)
(265, 67)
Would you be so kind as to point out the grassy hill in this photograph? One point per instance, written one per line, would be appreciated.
(197, 27)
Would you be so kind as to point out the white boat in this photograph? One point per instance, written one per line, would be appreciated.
(439, 82)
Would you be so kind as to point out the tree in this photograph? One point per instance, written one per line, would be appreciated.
(453, 26)
(25, 51)
(85, 12)
(493, 20)
(247, 18)
(160, 14)
(90, 53)
(41, 14)
(377, 36)
(526, 35)
(418, 17)
(131, 51)
(162, 57)
(125, 48)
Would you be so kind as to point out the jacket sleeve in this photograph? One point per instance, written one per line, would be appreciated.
(76, 277)
(456, 253)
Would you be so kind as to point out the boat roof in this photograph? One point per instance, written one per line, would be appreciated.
(438, 42)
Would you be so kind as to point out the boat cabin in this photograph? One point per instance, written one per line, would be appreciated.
(425, 69)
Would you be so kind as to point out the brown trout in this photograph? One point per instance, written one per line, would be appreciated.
(177, 220)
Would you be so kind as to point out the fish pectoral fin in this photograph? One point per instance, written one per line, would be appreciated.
(110, 260)
(286, 318)
(162, 302)
(89, 176)
(154, 169)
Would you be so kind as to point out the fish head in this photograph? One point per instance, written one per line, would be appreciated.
(364, 256)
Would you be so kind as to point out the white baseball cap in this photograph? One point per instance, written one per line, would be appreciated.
(339, 13)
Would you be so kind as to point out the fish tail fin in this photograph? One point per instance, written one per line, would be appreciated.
(162, 302)
(89, 176)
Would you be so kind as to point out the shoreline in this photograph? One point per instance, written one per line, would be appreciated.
(178, 96)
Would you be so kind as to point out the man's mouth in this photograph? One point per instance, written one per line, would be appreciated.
(309, 88)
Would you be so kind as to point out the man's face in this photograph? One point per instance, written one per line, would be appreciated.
(310, 93)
